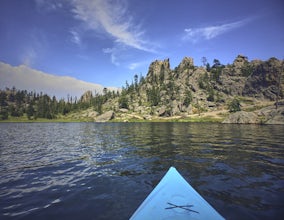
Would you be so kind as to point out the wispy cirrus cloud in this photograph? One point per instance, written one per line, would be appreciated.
(47, 6)
(135, 65)
(206, 33)
(29, 56)
(113, 55)
(112, 18)
(75, 37)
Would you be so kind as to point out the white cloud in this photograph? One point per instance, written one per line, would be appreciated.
(210, 32)
(47, 6)
(29, 56)
(112, 18)
(135, 65)
(113, 55)
(75, 37)
(23, 77)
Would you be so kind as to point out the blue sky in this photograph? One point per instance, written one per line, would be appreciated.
(108, 41)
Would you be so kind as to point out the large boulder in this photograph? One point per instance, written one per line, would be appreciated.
(278, 117)
(267, 115)
(105, 116)
(163, 112)
(241, 117)
(123, 110)
(92, 114)
(271, 115)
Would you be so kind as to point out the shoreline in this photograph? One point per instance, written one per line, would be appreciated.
(251, 115)
(203, 118)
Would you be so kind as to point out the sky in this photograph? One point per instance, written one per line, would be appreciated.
(107, 42)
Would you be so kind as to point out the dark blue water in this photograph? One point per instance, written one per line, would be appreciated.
(105, 170)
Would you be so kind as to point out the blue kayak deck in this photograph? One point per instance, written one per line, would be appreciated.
(174, 198)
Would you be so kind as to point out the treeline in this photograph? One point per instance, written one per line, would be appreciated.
(129, 92)
(33, 105)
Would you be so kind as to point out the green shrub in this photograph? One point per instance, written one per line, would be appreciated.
(123, 102)
(234, 105)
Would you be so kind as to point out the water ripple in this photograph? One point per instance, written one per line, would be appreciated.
(47, 169)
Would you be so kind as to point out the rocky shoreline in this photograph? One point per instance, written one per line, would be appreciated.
(266, 115)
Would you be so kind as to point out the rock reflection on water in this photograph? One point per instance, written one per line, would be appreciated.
(101, 170)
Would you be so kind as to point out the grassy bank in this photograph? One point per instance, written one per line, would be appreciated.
(66, 120)
(26, 120)
(201, 119)
(211, 117)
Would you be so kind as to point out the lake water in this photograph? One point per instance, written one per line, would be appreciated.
(105, 170)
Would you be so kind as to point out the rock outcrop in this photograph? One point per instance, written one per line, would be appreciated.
(242, 117)
(188, 89)
(271, 115)
(158, 71)
(186, 63)
(107, 116)
(86, 97)
(239, 65)
(265, 79)
(266, 115)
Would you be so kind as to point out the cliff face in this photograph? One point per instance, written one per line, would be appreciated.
(188, 89)
(265, 79)
(158, 69)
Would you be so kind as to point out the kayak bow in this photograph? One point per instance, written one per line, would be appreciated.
(174, 198)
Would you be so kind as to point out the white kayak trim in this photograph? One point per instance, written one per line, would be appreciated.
(175, 198)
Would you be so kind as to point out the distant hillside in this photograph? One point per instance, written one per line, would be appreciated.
(187, 90)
